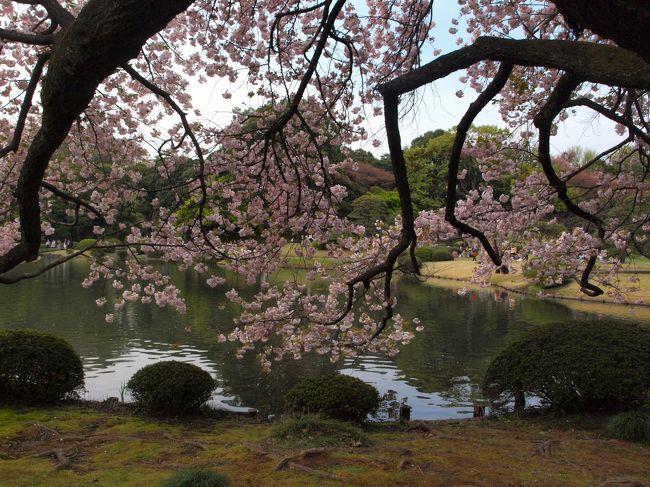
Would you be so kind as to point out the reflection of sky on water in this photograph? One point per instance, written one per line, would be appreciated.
(385, 376)
(437, 373)
(108, 377)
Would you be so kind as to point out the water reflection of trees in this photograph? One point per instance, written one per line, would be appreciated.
(265, 391)
(56, 303)
(463, 333)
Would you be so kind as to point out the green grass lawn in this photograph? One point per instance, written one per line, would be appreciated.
(293, 260)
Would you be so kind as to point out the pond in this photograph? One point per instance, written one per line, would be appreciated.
(438, 373)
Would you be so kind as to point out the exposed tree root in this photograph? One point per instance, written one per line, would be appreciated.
(544, 449)
(74, 438)
(190, 443)
(404, 463)
(195, 444)
(46, 430)
(287, 463)
(303, 454)
(312, 471)
(63, 457)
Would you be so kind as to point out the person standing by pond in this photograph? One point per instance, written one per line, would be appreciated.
(474, 253)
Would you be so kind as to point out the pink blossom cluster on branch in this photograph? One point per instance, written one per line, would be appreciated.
(99, 131)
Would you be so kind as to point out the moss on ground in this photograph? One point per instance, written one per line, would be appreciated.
(106, 450)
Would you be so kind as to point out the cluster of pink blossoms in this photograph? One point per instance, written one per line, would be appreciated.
(147, 172)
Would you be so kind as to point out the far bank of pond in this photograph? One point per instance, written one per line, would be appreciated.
(438, 373)
(457, 275)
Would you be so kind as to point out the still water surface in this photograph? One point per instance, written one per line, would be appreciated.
(437, 373)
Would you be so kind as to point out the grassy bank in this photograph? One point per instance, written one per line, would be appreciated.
(77, 447)
(458, 273)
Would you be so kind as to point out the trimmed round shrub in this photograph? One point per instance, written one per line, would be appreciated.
(576, 366)
(336, 396)
(86, 242)
(110, 250)
(197, 477)
(424, 253)
(630, 426)
(171, 388)
(99, 251)
(38, 368)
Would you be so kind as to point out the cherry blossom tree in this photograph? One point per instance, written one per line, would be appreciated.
(95, 102)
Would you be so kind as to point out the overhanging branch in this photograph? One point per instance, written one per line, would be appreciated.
(626, 22)
(495, 86)
(582, 61)
(24, 38)
(26, 105)
(73, 199)
(597, 63)
(612, 115)
(544, 122)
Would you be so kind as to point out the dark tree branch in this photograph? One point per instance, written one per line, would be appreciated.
(611, 114)
(54, 9)
(626, 22)
(495, 86)
(73, 199)
(25, 106)
(599, 157)
(155, 89)
(12, 279)
(197, 147)
(597, 63)
(105, 35)
(582, 61)
(57, 12)
(24, 38)
(408, 238)
(281, 15)
(397, 157)
(328, 27)
(544, 122)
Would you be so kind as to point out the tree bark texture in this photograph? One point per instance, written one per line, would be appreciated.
(626, 22)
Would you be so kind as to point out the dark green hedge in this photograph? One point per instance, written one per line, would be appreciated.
(86, 242)
(197, 477)
(171, 388)
(577, 366)
(38, 368)
(434, 254)
(336, 396)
